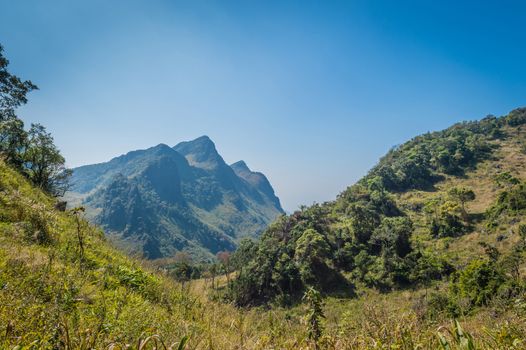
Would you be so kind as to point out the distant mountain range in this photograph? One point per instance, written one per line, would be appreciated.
(162, 200)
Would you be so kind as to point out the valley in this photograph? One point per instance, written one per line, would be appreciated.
(369, 119)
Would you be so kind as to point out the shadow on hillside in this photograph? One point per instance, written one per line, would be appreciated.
(429, 185)
(329, 282)
(476, 218)
(335, 284)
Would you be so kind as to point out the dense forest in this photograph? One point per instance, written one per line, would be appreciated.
(426, 251)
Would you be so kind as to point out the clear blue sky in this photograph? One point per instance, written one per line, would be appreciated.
(309, 92)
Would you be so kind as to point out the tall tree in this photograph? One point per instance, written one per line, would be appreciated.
(224, 259)
(13, 94)
(44, 164)
(13, 141)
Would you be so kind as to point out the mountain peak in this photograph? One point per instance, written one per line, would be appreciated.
(203, 138)
(257, 180)
(162, 148)
(200, 152)
(201, 141)
(240, 166)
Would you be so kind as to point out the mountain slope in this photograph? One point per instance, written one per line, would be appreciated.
(445, 209)
(56, 293)
(256, 179)
(162, 200)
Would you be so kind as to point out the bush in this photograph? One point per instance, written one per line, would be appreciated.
(441, 305)
(480, 281)
(511, 201)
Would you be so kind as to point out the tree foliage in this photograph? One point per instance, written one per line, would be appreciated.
(462, 195)
(13, 91)
(511, 201)
(44, 164)
(310, 251)
(33, 152)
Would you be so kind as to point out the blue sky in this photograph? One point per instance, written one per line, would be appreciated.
(311, 93)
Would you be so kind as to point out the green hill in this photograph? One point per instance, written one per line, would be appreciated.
(163, 200)
(403, 225)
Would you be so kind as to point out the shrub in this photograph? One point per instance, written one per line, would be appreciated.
(480, 281)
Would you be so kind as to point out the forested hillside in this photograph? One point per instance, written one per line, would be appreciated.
(164, 200)
(402, 225)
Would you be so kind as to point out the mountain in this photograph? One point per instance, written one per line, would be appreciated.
(162, 200)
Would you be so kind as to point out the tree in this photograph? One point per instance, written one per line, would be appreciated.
(479, 281)
(311, 250)
(13, 141)
(462, 195)
(224, 259)
(32, 153)
(245, 252)
(44, 164)
(213, 269)
(182, 269)
(393, 235)
(13, 93)
(427, 267)
(445, 220)
(363, 221)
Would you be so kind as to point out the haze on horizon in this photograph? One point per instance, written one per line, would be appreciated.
(311, 93)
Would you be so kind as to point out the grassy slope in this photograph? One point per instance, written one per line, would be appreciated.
(507, 157)
(50, 297)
